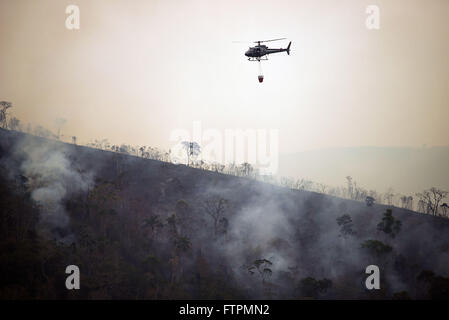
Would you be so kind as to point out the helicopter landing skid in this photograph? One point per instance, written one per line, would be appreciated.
(258, 59)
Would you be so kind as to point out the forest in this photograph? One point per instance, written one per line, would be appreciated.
(141, 228)
(430, 201)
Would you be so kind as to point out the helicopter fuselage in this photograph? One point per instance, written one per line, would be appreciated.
(260, 51)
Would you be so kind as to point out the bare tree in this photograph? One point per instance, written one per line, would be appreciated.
(215, 206)
(192, 148)
(4, 106)
(336, 192)
(59, 123)
(403, 201)
(421, 205)
(409, 204)
(388, 196)
(217, 167)
(287, 182)
(322, 188)
(246, 168)
(431, 199)
(43, 132)
(14, 124)
(304, 184)
(350, 189)
(444, 207)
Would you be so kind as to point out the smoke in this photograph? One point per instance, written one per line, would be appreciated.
(260, 228)
(51, 178)
(296, 230)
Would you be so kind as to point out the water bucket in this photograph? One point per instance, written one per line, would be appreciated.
(260, 78)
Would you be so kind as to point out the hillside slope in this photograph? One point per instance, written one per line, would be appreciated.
(144, 229)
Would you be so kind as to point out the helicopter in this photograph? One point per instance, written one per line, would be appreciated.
(260, 52)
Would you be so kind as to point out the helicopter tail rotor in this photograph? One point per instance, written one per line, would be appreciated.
(288, 48)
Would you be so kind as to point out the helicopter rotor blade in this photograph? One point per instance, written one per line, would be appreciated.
(269, 40)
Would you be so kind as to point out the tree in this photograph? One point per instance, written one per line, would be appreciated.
(154, 223)
(124, 149)
(410, 202)
(182, 211)
(421, 205)
(369, 201)
(389, 195)
(14, 124)
(172, 225)
(192, 148)
(262, 266)
(346, 225)
(142, 151)
(223, 225)
(322, 188)
(287, 182)
(215, 207)
(182, 243)
(181, 207)
(217, 167)
(407, 202)
(376, 247)
(403, 201)
(4, 106)
(59, 123)
(246, 168)
(389, 224)
(358, 194)
(310, 287)
(431, 199)
(42, 132)
(444, 206)
(350, 189)
(303, 184)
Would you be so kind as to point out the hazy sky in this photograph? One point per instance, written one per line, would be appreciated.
(136, 70)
